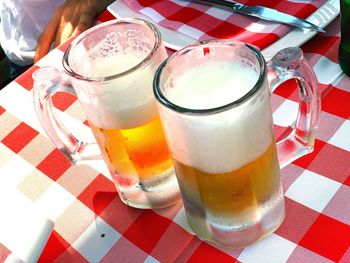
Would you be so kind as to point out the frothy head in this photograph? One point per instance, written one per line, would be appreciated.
(224, 141)
(112, 65)
(210, 85)
(124, 102)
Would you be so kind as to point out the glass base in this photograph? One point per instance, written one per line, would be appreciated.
(267, 220)
(149, 193)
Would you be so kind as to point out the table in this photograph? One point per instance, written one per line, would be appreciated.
(92, 224)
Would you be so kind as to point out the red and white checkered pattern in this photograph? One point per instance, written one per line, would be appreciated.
(92, 224)
(203, 22)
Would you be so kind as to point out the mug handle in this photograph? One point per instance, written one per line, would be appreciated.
(47, 82)
(286, 64)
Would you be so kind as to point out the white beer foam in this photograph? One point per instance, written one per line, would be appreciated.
(124, 102)
(222, 142)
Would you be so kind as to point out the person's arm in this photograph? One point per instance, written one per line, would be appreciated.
(70, 19)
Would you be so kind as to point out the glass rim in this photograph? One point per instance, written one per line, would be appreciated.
(143, 63)
(162, 99)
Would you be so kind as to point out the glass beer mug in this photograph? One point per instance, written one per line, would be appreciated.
(214, 102)
(111, 68)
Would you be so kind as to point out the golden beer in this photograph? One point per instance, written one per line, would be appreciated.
(123, 117)
(233, 193)
(225, 207)
(139, 152)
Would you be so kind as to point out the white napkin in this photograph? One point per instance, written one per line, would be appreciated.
(23, 229)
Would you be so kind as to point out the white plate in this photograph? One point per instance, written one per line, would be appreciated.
(175, 40)
(171, 38)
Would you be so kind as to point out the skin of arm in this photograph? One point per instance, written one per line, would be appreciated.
(69, 20)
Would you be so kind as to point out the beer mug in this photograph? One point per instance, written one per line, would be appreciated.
(110, 69)
(214, 102)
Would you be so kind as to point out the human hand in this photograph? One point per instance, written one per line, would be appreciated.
(69, 20)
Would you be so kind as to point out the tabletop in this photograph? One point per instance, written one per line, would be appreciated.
(91, 224)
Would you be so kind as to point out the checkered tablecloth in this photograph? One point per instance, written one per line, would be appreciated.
(203, 22)
(92, 224)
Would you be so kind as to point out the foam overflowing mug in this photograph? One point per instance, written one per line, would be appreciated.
(110, 69)
(214, 103)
